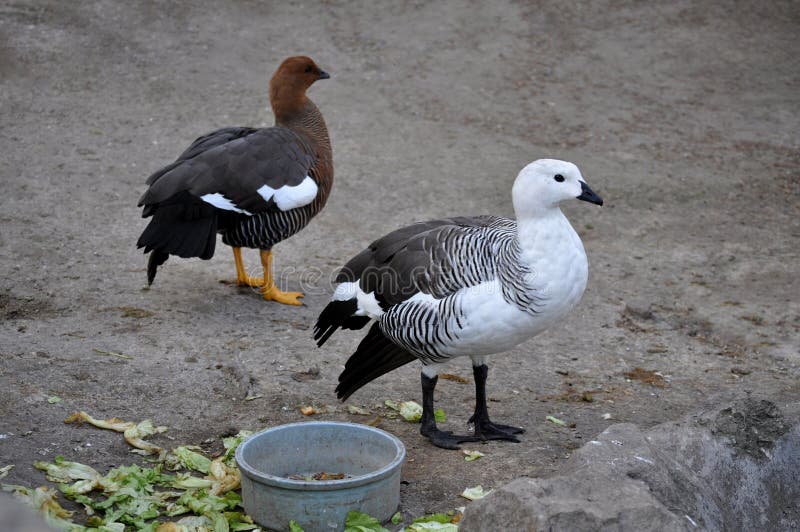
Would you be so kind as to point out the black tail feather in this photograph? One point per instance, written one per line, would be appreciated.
(338, 314)
(376, 355)
(183, 225)
(157, 258)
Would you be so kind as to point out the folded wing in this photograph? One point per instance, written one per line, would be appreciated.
(240, 169)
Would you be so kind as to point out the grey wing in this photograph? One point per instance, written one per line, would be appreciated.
(237, 163)
(438, 258)
(201, 144)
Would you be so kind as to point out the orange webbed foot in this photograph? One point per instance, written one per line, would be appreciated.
(286, 298)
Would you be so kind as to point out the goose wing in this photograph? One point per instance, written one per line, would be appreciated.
(438, 257)
(241, 169)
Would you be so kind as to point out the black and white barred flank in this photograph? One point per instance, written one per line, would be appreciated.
(440, 257)
(407, 268)
(424, 330)
(264, 230)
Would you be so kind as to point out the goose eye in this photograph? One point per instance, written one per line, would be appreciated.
(308, 68)
(559, 178)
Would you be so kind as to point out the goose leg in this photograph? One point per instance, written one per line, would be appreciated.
(242, 279)
(440, 438)
(485, 429)
(269, 290)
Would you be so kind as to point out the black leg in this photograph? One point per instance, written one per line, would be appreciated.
(484, 428)
(440, 438)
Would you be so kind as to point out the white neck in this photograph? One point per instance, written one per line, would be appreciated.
(531, 225)
(545, 232)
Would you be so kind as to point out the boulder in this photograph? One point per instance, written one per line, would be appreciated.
(734, 467)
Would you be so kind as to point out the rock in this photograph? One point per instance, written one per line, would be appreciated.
(569, 503)
(640, 310)
(19, 518)
(735, 467)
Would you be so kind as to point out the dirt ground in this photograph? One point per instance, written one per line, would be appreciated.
(683, 115)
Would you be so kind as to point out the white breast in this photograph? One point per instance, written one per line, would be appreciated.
(559, 272)
(489, 324)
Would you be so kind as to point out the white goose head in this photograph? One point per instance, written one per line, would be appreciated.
(545, 183)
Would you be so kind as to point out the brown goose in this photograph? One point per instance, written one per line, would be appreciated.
(254, 186)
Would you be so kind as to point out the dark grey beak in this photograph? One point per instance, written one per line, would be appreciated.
(324, 75)
(587, 194)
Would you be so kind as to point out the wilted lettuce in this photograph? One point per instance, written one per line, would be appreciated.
(133, 432)
(191, 459)
(360, 522)
(475, 493)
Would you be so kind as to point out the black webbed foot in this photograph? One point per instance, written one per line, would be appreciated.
(446, 439)
(487, 430)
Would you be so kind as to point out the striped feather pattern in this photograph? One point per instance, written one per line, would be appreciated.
(441, 257)
(424, 329)
(418, 274)
(461, 257)
(265, 229)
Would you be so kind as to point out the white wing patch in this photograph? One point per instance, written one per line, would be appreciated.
(367, 304)
(288, 197)
(221, 202)
(345, 291)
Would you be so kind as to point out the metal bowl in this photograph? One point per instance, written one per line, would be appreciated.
(370, 458)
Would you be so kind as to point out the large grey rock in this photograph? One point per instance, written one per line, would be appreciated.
(597, 502)
(731, 468)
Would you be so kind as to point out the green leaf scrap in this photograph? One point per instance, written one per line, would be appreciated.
(63, 472)
(433, 518)
(475, 493)
(232, 442)
(360, 522)
(191, 459)
(394, 405)
(240, 521)
(471, 456)
(432, 525)
(411, 411)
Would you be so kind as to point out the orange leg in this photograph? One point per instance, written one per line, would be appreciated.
(269, 290)
(242, 279)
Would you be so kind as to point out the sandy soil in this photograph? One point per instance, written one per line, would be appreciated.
(682, 115)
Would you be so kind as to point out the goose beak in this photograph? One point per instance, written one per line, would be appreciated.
(324, 75)
(587, 194)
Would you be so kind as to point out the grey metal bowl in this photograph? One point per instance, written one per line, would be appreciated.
(370, 457)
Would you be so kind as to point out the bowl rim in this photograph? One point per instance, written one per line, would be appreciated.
(262, 477)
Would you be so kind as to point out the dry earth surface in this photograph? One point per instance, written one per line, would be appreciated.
(683, 115)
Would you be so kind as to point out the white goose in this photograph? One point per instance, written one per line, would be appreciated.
(470, 286)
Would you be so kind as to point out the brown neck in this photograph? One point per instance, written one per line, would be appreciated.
(295, 111)
(302, 116)
(307, 120)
